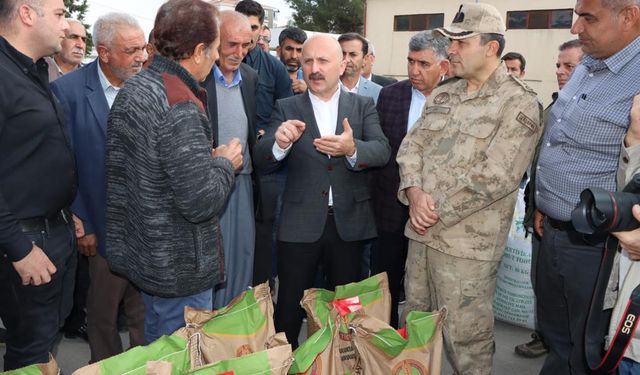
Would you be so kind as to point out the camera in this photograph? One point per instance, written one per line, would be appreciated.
(601, 211)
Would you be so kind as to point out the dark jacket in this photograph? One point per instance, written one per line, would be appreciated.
(164, 189)
(37, 168)
(311, 173)
(273, 83)
(393, 109)
(382, 80)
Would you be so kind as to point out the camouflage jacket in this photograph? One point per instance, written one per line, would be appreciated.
(470, 151)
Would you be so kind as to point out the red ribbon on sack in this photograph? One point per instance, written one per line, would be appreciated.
(403, 332)
(347, 305)
(227, 373)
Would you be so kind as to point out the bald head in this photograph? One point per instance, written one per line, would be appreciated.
(322, 65)
(232, 22)
(326, 42)
(235, 40)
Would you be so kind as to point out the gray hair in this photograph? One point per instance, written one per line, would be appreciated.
(574, 43)
(372, 51)
(105, 28)
(617, 5)
(430, 40)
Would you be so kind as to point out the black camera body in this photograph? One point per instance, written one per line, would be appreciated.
(601, 211)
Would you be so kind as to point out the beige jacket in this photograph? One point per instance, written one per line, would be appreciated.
(470, 151)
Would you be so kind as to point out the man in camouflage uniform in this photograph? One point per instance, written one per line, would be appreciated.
(460, 167)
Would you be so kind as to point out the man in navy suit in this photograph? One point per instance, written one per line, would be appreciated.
(86, 95)
(399, 106)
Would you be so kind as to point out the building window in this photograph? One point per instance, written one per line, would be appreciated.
(418, 22)
(540, 19)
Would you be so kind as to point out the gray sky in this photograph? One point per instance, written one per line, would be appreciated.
(145, 10)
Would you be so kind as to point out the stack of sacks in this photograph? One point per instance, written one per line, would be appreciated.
(243, 327)
(49, 368)
(352, 340)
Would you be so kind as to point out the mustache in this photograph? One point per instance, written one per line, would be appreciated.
(316, 76)
(77, 50)
(292, 61)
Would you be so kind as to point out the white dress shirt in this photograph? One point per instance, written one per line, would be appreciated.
(326, 115)
(110, 91)
(354, 89)
(415, 110)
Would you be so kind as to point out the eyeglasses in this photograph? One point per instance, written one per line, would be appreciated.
(264, 39)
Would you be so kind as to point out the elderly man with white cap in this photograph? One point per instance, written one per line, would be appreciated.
(460, 167)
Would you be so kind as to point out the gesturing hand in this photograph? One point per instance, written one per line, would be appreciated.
(289, 132)
(337, 145)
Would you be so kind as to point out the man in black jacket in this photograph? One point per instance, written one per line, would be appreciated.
(38, 182)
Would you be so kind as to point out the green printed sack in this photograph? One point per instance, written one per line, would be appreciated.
(370, 296)
(172, 349)
(414, 349)
(240, 328)
(49, 368)
(274, 361)
(329, 351)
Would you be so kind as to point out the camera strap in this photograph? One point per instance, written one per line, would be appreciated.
(599, 319)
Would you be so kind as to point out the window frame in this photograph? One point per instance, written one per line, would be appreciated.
(549, 13)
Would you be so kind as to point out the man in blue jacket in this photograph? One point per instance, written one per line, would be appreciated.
(87, 95)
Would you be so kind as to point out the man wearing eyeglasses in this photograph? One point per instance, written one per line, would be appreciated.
(87, 95)
(74, 46)
(265, 38)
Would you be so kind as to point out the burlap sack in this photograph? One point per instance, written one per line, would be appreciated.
(416, 349)
(329, 351)
(49, 368)
(370, 296)
(172, 349)
(240, 328)
(159, 368)
(274, 361)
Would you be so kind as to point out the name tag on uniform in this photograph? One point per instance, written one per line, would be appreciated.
(438, 109)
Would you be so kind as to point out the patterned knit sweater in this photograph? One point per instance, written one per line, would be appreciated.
(164, 189)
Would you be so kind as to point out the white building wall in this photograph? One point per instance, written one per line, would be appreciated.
(539, 47)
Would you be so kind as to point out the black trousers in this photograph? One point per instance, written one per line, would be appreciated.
(78, 315)
(566, 273)
(389, 254)
(32, 314)
(297, 266)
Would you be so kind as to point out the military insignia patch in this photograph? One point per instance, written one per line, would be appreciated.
(442, 98)
(526, 121)
(437, 109)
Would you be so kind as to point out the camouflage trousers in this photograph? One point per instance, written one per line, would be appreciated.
(465, 287)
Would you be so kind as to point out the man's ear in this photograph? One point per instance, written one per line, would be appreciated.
(198, 53)
(27, 14)
(629, 16)
(103, 53)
